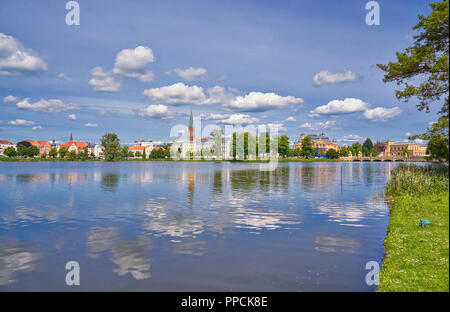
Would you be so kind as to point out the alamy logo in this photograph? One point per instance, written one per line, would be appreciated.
(73, 16)
(373, 17)
(372, 275)
(73, 276)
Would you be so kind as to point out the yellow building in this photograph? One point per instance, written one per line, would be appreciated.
(320, 142)
(390, 148)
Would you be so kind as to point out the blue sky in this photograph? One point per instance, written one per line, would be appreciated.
(138, 68)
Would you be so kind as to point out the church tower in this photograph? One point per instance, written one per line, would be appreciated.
(191, 128)
(71, 139)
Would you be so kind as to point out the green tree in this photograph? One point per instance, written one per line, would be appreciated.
(32, 151)
(343, 151)
(373, 152)
(62, 152)
(295, 152)
(283, 145)
(438, 138)
(332, 154)
(356, 148)
(405, 152)
(22, 150)
(53, 152)
(72, 155)
(124, 152)
(367, 146)
(10, 151)
(426, 59)
(307, 147)
(111, 145)
(261, 143)
(137, 154)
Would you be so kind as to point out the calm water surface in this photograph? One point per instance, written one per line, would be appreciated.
(191, 226)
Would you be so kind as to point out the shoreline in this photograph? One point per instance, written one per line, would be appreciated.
(16, 159)
(416, 258)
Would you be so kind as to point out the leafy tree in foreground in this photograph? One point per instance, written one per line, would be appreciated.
(111, 143)
(426, 58)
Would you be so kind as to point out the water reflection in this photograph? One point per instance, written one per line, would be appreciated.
(129, 256)
(148, 220)
(15, 258)
(109, 181)
(336, 244)
(163, 219)
(352, 213)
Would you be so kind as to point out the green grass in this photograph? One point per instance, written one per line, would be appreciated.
(417, 259)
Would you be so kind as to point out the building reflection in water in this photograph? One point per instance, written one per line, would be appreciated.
(129, 256)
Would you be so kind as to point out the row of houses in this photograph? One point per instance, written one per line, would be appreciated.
(45, 146)
(144, 147)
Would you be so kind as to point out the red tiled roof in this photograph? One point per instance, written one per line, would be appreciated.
(41, 144)
(79, 145)
(138, 148)
(5, 142)
(159, 147)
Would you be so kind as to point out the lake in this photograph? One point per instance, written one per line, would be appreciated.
(191, 226)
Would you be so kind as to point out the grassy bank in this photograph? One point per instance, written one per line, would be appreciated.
(417, 258)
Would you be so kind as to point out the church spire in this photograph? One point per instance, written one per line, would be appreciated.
(71, 139)
(191, 128)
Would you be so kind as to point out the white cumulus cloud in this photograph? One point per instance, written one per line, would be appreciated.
(15, 59)
(133, 63)
(177, 94)
(339, 107)
(381, 113)
(290, 119)
(21, 122)
(103, 81)
(46, 106)
(36, 128)
(64, 77)
(156, 111)
(190, 74)
(10, 99)
(91, 125)
(326, 77)
(257, 101)
(239, 119)
(314, 126)
(72, 116)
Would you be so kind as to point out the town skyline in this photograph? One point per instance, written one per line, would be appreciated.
(146, 79)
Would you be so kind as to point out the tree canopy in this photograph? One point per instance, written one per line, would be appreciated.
(427, 58)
